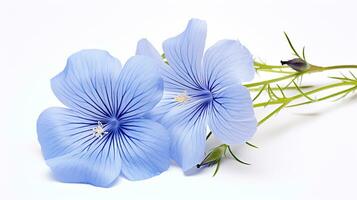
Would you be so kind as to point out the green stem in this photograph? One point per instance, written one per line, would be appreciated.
(274, 71)
(343, 92)
(341, 67)
(312, 69)
(272, 113)
(283, 100)
(271, 80)
(265, 66)
(285, 88)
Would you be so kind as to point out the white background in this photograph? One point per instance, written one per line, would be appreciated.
(305, 153)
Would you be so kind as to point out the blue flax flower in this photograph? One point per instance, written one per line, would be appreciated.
(103, 133)
(203, 89)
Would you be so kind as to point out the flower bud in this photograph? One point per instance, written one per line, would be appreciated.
(297, 64)
(214, 156)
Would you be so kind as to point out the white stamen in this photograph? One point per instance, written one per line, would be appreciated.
(98, 131)
(181, 98)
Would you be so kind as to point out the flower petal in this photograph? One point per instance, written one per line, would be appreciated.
(165, 105)
(99, 165)
(145, 48)
(227, 60)
(172, 87)
(187, 126)
(71, 150)
(144, 146)
(184, 54)
(86, 82)
(139, 88)
(232, 119)
(62, 130)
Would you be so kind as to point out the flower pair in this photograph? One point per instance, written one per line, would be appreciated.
(130, 121)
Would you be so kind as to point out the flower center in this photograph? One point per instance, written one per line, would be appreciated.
(206, 95)
(113, 123)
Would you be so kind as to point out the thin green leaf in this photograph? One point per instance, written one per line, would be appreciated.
(342, 79)
(306, 96)
(326, 97)
(300, 79)
(344, 75)
(272, 94)
(272, 113)
(281, 91)
(217, 167)
(267, 103)
(293, 79)
(291, 45)
(353, 75)
(343, 96)
(235, 157)
(300, 104)
(269, 94)
(260, 92)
